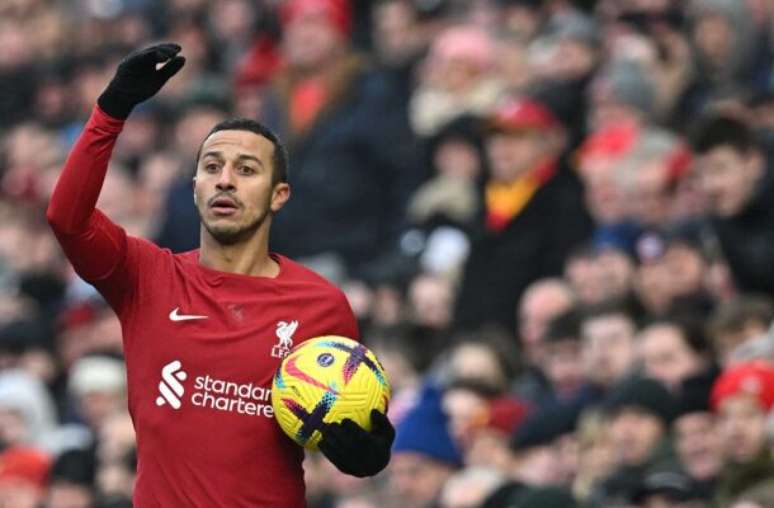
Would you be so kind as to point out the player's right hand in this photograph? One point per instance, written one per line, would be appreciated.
(137, 78)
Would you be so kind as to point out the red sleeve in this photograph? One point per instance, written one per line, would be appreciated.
(97, 248)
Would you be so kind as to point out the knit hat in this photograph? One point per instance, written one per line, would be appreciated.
(97, 374)
(674, 485)
(339, 12)
(544, 426)
(524, 114)
(25, 464)
(74, 466)
(642, 393)
(544, 497)
(694, 397)
(424, 430)
(754, 378)
(627, 83)
(506, 415)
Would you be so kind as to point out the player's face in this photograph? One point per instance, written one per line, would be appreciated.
(233, 189)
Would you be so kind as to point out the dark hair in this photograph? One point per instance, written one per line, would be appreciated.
(280, 157)
(563, 327)
(718, 131)
(691, 329)
(623, 307)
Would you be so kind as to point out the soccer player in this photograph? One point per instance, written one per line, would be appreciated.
(205, 330)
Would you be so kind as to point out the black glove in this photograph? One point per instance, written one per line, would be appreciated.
(355, 451)
(137, 79)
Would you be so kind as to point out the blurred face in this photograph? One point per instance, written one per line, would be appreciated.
(479, 362)
(458, 159)
(416, 479)
(654, 285)
(666, 356)
(20, 494)
(562, 367)
(538, 465)
(635, 434)
(698, 445)
(539, 305)
(714, 38)
(648, 197)
(233, 188)
(431, 298)
(742, 424)
(512, 154)
(488, 448)
(604, 196)
(686, 267)
(67, 495)
(607, 349)
(728, 178)
(465, 410)
(310, 40)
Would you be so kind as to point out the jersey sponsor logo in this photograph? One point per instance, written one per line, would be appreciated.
(285, 331)
(170, 386)
(174, 316)
(213, 393)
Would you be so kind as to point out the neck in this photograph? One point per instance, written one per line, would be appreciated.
(248, 257)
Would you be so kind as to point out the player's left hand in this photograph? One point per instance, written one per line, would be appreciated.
(355, 451)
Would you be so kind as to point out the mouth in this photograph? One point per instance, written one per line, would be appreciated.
(224, 206)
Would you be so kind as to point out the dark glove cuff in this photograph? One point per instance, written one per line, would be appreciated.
(115, 104)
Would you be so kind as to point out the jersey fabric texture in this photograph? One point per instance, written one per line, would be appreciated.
(201, 348)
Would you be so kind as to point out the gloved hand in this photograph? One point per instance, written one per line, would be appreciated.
(355, 451)
(137, 78)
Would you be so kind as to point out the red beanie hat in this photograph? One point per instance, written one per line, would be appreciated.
(754, 378)
(24, 464)
(339, 12)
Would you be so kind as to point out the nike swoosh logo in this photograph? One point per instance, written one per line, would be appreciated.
(174, 316)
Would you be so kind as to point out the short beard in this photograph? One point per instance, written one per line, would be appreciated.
(236, 234)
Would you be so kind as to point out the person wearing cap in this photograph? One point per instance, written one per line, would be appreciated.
(733, 171)
(71, 480)
(98, 385)
(673, 351)
(533, 214)
(538, 447)
(696, 436)
(424, 454)
(23, 477)
(354, 155)
(639, 411)
(742, 398)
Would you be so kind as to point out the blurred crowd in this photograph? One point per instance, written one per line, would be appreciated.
(554, 220)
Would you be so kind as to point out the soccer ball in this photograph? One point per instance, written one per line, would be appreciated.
(325, 380)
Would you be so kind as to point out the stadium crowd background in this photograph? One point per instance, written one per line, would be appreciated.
(553, 219)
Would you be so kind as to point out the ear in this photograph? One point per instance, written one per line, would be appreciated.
(193, 187)
(279, 196)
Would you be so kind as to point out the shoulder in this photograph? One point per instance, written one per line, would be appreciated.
(296, 272)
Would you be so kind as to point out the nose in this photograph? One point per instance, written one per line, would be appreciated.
(225, 179)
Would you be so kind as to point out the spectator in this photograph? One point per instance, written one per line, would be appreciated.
(424, 454)
(742, 397)
(738, 321)
(23, 475)
(525, 188)
(673, 352)
(640, 411)
(734, 173)
(71, 480)
(323, 104)
(608, 349)
(697, 436)
(470, 487)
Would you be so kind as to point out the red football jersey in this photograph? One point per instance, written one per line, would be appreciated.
(201, 348)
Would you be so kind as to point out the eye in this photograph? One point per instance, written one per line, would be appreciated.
(211, 167)
(246, 170)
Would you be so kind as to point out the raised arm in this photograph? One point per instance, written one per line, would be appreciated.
(95, 246)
